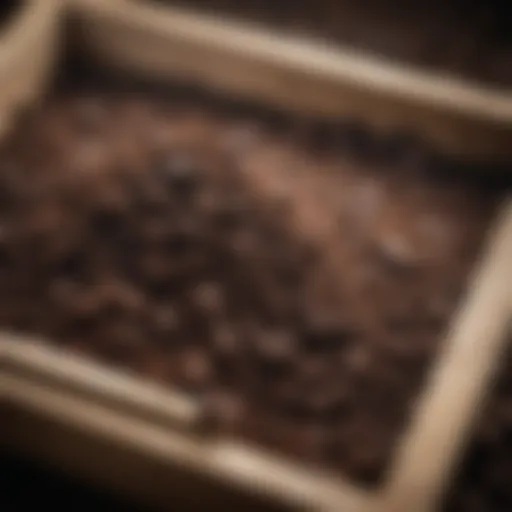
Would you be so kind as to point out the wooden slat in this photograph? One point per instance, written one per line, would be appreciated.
(27, 53)
(64, 372)
(462, 119)
(224, 462)
(468, 362)
(108, 409)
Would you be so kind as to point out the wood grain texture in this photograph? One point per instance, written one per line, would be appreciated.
(64, 372)
(111, 426)
(458, 384)
(460, 119)
(28, 50)
(224, 463)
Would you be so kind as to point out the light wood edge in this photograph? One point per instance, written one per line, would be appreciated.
(28, 50)
(115, 466)
(444, 417)
(460, 118)
(79, 394)
(63, 407)
(63, 371)
(233, 464)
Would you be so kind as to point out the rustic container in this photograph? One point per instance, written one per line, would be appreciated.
(142, 439)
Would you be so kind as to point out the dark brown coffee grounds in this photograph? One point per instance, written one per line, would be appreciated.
(298, 291)
(467, 38)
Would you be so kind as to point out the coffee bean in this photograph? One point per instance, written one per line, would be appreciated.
(107, 222)
(88, 117)
(228, 218)
(325, 334)
(181, 241)
(275, 346)
(310, 369)
(208, 297)
(165, 318)
(225, 340)
(181, 174)
(326, 402)
(223, 410)
(314, 443)
(358, 359)
(397, 246)
(197, 368)
(242, 138)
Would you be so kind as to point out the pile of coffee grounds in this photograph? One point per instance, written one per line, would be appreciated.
(483, 483)
(469, 39)
(297, 290)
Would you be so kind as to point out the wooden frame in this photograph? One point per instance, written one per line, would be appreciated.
(27, 53)
(114, 428)
(463, 119)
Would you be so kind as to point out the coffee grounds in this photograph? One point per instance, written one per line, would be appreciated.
(470, 39)
(294, 277)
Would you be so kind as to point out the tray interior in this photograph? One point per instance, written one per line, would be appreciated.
(340, 154)
(309, 168)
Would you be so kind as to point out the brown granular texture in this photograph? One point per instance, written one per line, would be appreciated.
(299, 292)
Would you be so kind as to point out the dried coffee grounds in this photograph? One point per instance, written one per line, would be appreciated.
(294, 277)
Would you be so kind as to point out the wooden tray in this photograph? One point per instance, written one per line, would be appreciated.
(147, 440)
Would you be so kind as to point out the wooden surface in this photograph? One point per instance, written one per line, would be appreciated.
(130, 441)
(460, 119)
(28, 48)
(458, 384)
(111, 426)
(65, 372)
